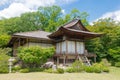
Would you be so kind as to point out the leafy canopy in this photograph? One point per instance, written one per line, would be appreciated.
(35, 56)
(108, 45)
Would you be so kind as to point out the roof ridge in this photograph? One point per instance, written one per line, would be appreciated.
(70, 22)
(29, 32)
(67, 23)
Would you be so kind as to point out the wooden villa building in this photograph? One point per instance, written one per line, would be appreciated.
(68, 40)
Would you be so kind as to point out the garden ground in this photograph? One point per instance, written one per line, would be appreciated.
(113, 75)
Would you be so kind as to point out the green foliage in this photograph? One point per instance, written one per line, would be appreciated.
(4, 39)
(95, 68)
(5, 51)
(3, 69)
(115, 53)
(60, 70)
(81, 15)
(26, 70)
(105, 69)
(35, 56)
(117, 64)
(77, 66)
(89, 69)
(3, 63)
(45, 18)
(50, 70)
(104, 45)
(16, 68)
(11, 25)
(70, 70)
(36, 69)
(105, 62)
(101, 66)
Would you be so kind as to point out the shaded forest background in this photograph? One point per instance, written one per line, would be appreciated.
(50, 18)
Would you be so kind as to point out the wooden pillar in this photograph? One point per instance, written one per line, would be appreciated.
(66, 47)
(84, 47)
(75, 47)
(76, 51)
(66, 59)
(60, 47)
(94, 59)
(64, 54)
(27, 42)
(57, 60)
(19, 42)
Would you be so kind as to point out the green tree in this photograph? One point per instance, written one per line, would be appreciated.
(75, 13)
(50, 18)
(109, 40)
(4, 60)
(4, 39)
(35, 56)
(45, 18)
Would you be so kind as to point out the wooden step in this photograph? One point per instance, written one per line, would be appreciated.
(84, 60)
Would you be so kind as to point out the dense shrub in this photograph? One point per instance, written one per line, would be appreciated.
(106, 45)
(3, 69)
(70, 70)
(60, 70)
(4, 39)
(97, 68)
(26, 70)
(89, 69)
(105, 62)
(3, 63)
(105, 66)
(36, 69)
(115, 53)
(50, 70)
(35, 56)
(105, 69)
(101, 67)
(117, 64)
(5, 50)
(78, 66)
(16, 68)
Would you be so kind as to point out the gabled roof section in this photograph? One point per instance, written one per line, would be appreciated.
(74, 29)
(75, 24)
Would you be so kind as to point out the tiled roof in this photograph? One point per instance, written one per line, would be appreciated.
(34, 34)
(71, 23)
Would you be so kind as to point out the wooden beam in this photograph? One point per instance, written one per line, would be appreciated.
(64, 59)
(84, 47)
(76, 47)
(74, 39)
(66, 46)
(27, 42)
(66, 52)
(60, 47)
(94, 59)
(19, 42)
(57, 61)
